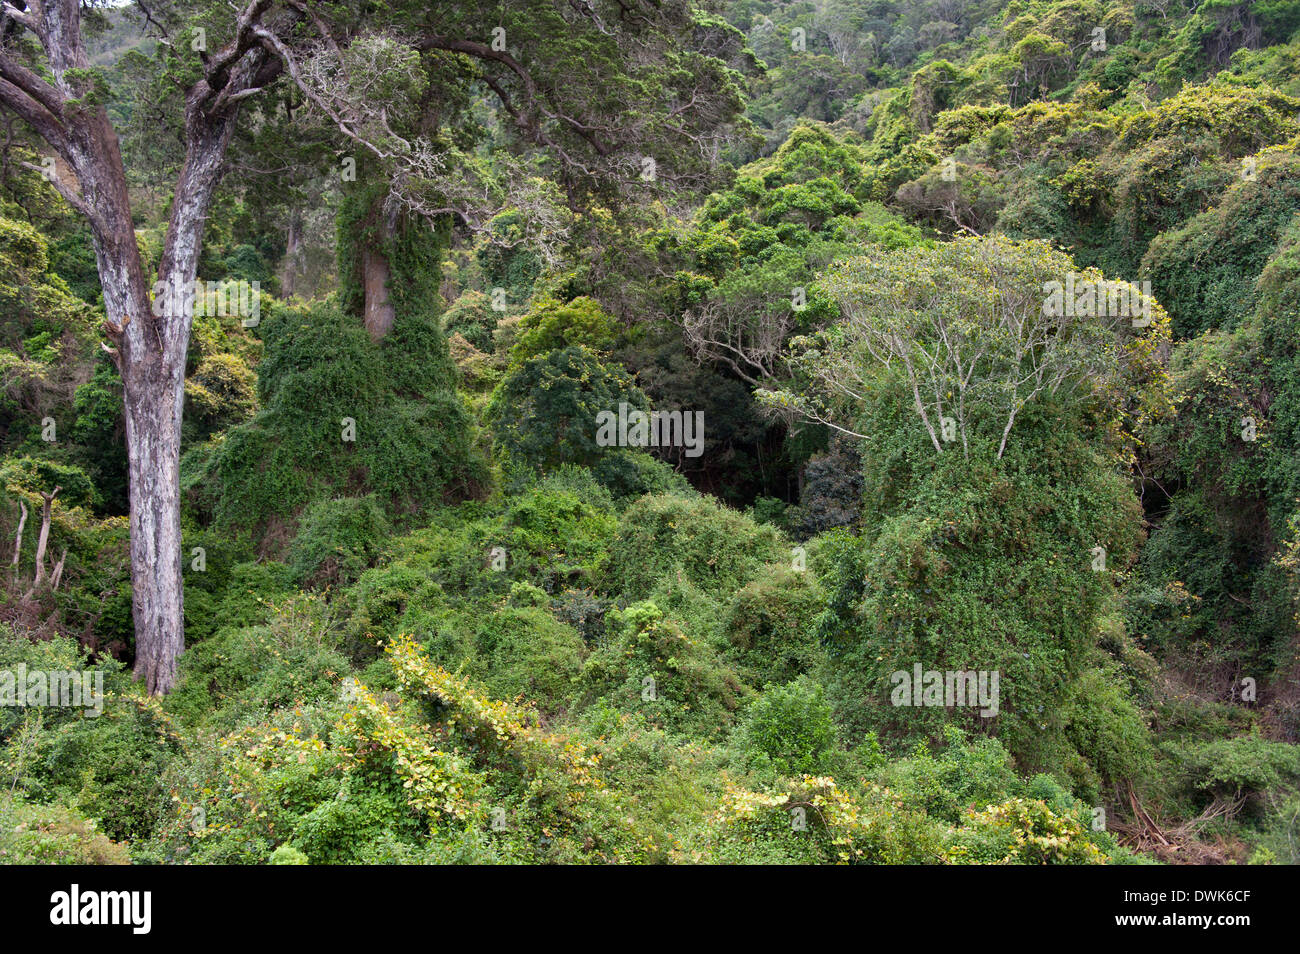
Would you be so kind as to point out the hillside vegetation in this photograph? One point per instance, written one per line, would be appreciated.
(432, 615)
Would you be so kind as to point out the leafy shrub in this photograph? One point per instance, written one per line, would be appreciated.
(283, 766)
(387, 600)
(787, 730)
(471, 316)
(337, 540)
(1107, 729)
(650, 667)
(53, 835)
(219, 394)
(1204, 272)
(553, 325)
(524, 651)
(815, 821)
(287, 854)
(241, 673)
(629, 473)
(944, 781)
(543, 414)
(692, 539)
(104, 764)
(1024, 832)
(768, 625)
(558, 532)
(1232, 768)
(409, 444)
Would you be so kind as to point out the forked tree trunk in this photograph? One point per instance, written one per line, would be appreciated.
(47, 517)
(153, 375)
(150, 345)
(152, 385)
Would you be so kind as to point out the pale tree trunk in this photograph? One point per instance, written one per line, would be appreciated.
(378, 311)
(47, 516)
(292, 264)
(153, 446)
(18, 539)
(150, 343)
(151, 381)
(57, 575)
(153, 375)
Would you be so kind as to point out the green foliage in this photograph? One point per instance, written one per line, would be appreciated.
(1205, 271)
(409, 442)
(243, 672)
(219, 394)
(337, 540)
(53, 835)
(1106, 727)
(522, 652)
(519, 646)
(1232, 449)
(1279, 830)
(1246, 765)
(1024, 832)
(471, 317)
(48, 346)
(649, 667)
(815, 821)
(787, 730)
(735, 283)
(287, 854)
(553, 326)
(768, 626)
(33, 476)
(691, 540)
(945, 781)
(543, 415)
(103, 758)
(98, 431)
(938, 562)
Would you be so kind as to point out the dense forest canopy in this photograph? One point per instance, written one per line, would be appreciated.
(623, 431)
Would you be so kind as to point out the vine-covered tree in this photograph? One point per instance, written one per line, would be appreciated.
(614, 98)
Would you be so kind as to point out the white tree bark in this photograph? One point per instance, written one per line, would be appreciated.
(150, 343)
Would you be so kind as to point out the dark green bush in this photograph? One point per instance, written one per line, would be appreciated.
(337, 540)
(340, 415)
(769, 625)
